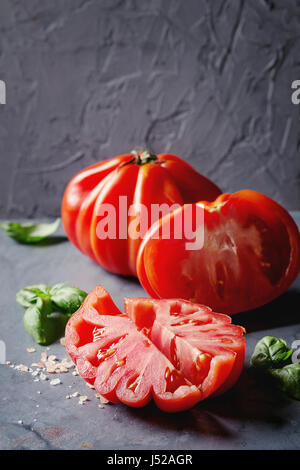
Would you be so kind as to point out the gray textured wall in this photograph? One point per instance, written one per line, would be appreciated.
(207, 80)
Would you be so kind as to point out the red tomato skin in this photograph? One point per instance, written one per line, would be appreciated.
(79, 188)
(169, 180)
(260, 261)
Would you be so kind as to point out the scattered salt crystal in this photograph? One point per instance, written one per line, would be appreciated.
(55, 382)
(83, 399)
(44, 356)
(22, 368)
(40, 365)
(103, 400)
(20, 421)
(67, 364)
(50, 364)
(61, 369)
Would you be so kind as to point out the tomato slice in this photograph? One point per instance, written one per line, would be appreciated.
(173, 351)
(203, 345)
(250, 255)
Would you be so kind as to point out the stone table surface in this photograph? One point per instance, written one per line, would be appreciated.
(250, 416)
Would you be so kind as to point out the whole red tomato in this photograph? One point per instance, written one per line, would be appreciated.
(144, 179)
(250, 254)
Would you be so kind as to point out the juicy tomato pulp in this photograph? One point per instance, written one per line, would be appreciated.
(162, 180)
(250, 255)
(173, 351)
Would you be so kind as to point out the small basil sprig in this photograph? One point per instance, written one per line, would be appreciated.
(44, 325)
(288, 379)
(29, 295)
(48, 309)
(67, 299)
(272, 357)
(29, 233)
(270, 352)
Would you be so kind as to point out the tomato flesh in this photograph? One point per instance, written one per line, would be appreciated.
(203, 345)
(250, 255)
(173, 351)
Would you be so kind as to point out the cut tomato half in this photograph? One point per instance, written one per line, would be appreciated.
(250, 253)
(173, 351)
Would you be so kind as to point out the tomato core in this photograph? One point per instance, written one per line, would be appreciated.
(142, 157)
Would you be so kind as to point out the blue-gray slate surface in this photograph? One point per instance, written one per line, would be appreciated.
(89, 79)
(250, 416)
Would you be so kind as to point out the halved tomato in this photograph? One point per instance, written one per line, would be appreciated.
(173, 351)
(250, 254)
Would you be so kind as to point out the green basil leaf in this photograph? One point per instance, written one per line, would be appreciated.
(28, 296)
(272, 357)
(283, 357)
(68, 299)
(29, 233)
(288, 379)
(270, 352)
(44, 325)
(49, 309)
(35, 320)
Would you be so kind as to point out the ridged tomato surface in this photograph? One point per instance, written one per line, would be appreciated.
(144, 179)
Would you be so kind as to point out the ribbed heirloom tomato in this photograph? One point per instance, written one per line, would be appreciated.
(250, 254)
(142, 178)
(173, 351)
